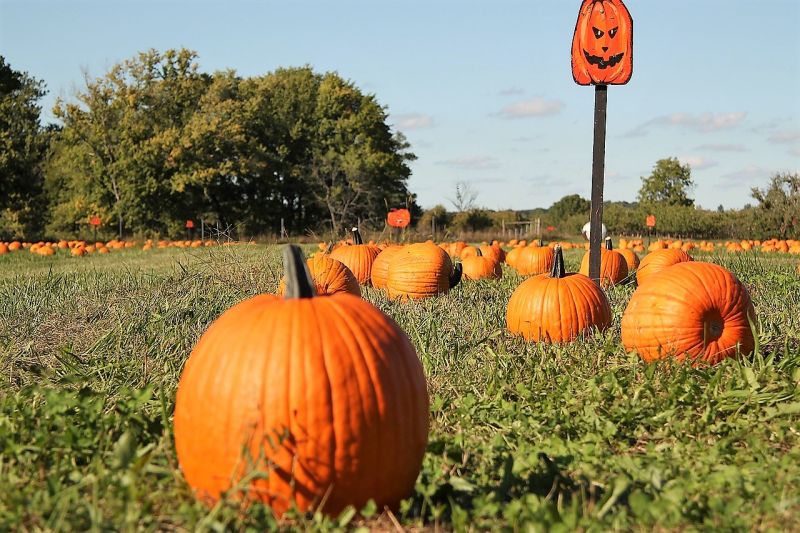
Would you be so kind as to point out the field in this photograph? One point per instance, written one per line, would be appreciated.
(581, 436)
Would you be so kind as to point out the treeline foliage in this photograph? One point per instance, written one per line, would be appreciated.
(23, 145)
(156, 141)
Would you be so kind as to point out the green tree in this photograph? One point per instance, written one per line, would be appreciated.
(779, 205)
(568, 206)
(23, 146)
(436, 215)
(669, 183)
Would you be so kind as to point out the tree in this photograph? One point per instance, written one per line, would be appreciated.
(669, 183)
(23, 146)
(436, 216)
(465, 197)
(779, 205)
(568, 206)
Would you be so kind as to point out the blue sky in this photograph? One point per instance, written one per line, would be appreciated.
(483, 89)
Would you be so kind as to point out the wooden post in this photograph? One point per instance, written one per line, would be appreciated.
(598, 171)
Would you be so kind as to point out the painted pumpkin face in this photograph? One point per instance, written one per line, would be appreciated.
(602, 47)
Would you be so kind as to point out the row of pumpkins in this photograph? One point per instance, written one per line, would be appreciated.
(317, 399)
(81, 248)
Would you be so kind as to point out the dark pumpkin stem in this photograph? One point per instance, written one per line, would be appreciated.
(330, 248)
(456, 277)
(608, 243)
(478, 252)
(558, 263)
(357, 237)
(298, 280)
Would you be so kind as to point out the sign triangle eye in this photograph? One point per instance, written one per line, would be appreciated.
(598, 33)
(612, 32)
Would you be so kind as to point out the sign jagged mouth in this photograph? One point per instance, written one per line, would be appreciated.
(601, 63)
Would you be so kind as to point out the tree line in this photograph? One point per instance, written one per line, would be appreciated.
(155, 142)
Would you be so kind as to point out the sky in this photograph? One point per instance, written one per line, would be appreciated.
(483, 90)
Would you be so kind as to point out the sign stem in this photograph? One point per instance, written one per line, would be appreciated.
(598, 173)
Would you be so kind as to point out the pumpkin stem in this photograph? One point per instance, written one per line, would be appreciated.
(456, 277)
(478, 252)
(558, 263)
(329, 249)
(298, 280)
(357, 237)
(608, 243)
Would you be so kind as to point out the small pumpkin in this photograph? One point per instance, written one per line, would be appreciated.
(691, 309)
(481, 267)
(324, 395)
(534, 260)
(658, 260)
(557, 307)
(420, 271)
(631, 259)
(358, 257)
(602, 46)
(613, 266)
(329, 276)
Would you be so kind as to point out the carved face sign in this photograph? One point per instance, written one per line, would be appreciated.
(602, 48)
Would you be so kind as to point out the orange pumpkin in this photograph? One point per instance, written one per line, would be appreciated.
(358, 257)
(557, 307)
(602, 46)
(658, 260)
(613, 267)
(481, 267)
(692, 309)
(631, 259)
(420, 271)
(330, 276)
(323, 395)
(533, 260)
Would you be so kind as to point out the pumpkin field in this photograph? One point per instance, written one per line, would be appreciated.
(571, 433)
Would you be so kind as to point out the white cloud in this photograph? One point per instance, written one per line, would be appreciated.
(702, 123)
(512, 91)
(784, 137)
(471, 163)
(697, 162)
(413, 121)
(746, 176)
(535, 107)
(722, 147)
(795, 151)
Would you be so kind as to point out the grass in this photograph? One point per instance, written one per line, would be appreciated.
(582, 436)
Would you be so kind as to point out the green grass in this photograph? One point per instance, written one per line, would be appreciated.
(581, 436)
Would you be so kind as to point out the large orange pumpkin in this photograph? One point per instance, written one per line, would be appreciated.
(330, 276)
(380, 267)
(613, 267)
(533, 260)
(602, 46)
(481, 267)
(420, 271)
(631, 259)
(324, 395)
(557, 307)
(692, 309)
(658, 260)
(358, 257)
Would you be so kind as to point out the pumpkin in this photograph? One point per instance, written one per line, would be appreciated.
(329, 276)
(420, 271)
(323, 395)
(513, 256)
(3, 248)
(494, 250)
(631, 259)
(358, 257)
(380, 267)
(602, 45)
(481, 267)
(557, 307)
(468, 251)
(692, 309)
(613, 266)
(656, 261)
(534, 260)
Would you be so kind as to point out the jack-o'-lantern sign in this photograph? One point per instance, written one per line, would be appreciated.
(398, 218)
(602, 47)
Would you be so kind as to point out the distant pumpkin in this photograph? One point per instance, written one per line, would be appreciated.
(358, 257)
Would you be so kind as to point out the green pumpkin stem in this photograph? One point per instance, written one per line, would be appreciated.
(357, 237)
(558, 263)
(298, 280)
(608, 243)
